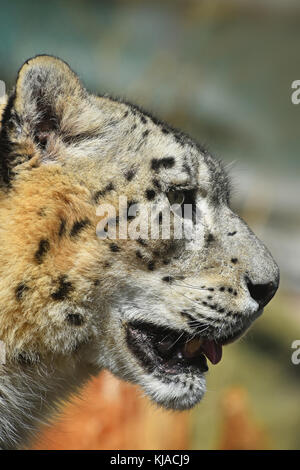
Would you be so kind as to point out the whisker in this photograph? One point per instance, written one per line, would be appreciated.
(190, 286)
(197, 305)
(177, 340)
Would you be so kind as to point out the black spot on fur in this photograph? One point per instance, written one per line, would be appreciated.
(143, 119)
(125, 114)
(168, 279)
(167, 162)
(44, 247)
(79, 226)
(209, 238)
(142, 242)
(145, 133)
(187, 169)
(42, 212)
(185, 314)
(64, 289)
(139, 254)
(114, 248)
(150, 194)
(230, 234)
(74, 319)
(129, 175)
(20, 290)
(102, 192)
(156, 183)
(151, 265)
(179, 139)
(62, 228)
(165, 131)
(234, 260)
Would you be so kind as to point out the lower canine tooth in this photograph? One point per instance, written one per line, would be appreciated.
(192, 347)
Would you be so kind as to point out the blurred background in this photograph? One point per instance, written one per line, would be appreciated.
(222, 71)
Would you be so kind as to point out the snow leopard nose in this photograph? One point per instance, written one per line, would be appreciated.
(262, 293)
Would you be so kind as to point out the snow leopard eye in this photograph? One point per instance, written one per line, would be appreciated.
(183, 203)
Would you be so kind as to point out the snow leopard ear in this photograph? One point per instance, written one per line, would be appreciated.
(46, 102)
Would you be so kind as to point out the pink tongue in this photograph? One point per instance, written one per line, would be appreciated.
(212, 351)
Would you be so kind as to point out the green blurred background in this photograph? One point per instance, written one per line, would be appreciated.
(222, 71)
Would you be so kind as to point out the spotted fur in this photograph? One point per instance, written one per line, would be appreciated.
(66, 295)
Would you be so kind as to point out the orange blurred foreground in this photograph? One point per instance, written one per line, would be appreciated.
(113, 415)
(240, 429)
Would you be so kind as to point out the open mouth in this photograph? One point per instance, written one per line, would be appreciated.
(167, 351)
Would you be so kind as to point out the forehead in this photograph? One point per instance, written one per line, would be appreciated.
(131, 148)
(181, 161)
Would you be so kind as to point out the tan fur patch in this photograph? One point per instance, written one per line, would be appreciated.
(33, 211)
